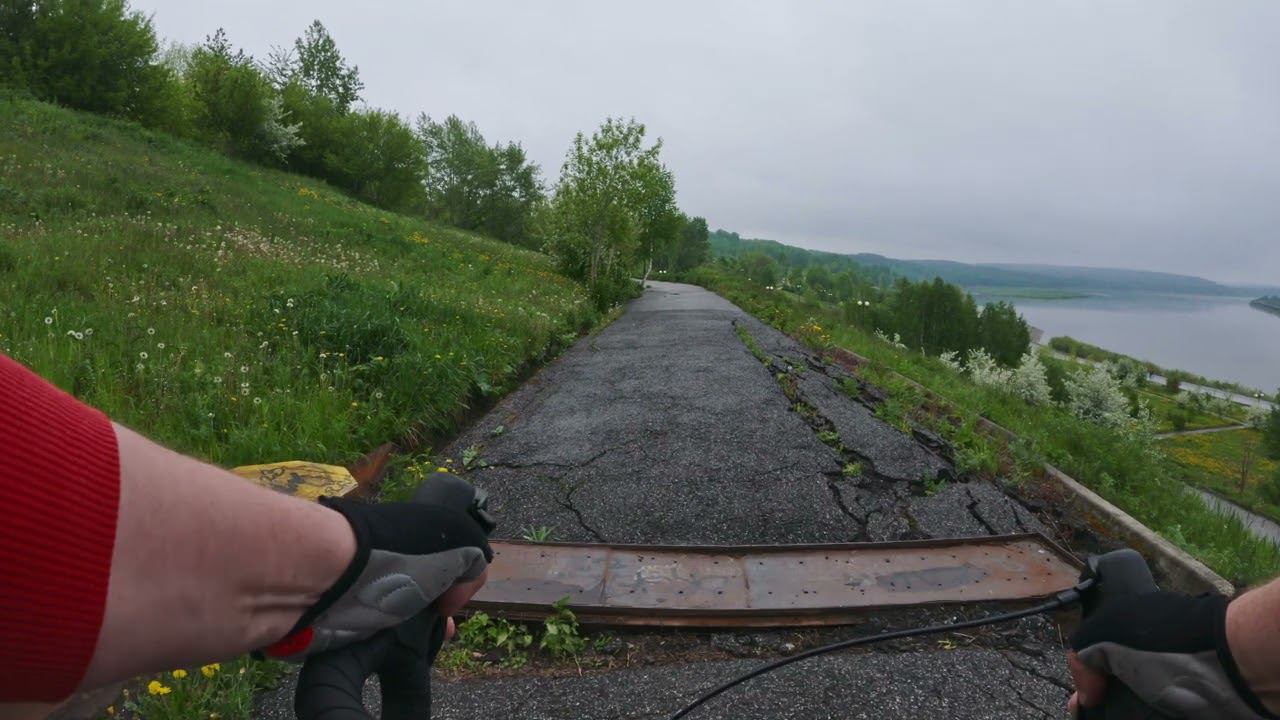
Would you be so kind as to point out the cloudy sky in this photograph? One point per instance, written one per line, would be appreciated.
(1133, 134)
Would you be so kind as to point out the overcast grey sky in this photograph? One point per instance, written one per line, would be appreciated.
(1133, 134)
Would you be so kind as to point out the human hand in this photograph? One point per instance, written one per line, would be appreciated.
(1169, 649)
(409, 556)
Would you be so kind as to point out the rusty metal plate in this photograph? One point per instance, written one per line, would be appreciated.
(762, 586)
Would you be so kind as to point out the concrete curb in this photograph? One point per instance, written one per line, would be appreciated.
(1183, 571)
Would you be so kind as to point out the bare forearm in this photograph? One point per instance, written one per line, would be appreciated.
(207, 566)
(1253, 632)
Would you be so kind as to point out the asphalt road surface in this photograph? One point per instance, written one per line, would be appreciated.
(666, 428)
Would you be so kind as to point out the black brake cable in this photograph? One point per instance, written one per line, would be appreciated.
(1061, 600)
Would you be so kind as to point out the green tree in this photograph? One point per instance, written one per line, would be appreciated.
(379, 159)
(1271, 434)
(470, 184)
(612, 189)
(1003, 332)
(232, 99)
(95, 55)
(692, 249)
(760, 268)
(319, 67)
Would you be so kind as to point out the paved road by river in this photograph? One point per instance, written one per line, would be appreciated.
(1259, 525)
(666, 429)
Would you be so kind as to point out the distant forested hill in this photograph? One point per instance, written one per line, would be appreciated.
(988, 277)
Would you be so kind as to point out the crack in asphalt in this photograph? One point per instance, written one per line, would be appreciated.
(973, 510)
(567, 504)
(1032, 670)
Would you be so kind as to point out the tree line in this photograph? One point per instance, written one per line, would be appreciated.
(932, 316)
(610, 216)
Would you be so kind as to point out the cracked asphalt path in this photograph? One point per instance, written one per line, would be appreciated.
(665, 428)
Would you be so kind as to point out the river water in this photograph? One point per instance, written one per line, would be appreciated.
(1219, 338)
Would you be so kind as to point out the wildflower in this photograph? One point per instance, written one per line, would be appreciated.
(442, 469)
(210, 670)
(179, 674)
(48, 320)
(354, 403)
(88, 331)
(160, 346)
(289, 302)
(378, 395)
(111, 709)
(244, 368)
(155, 687)
(257, 401)
(151, 331)
(210, 416)
(140, 366)
(143, 355)
(244, 391)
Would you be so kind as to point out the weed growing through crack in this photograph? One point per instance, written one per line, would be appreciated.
(852, 470)
(537, 534)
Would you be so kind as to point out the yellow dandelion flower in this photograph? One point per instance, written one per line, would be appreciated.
(155, 687)
(111, 709)
(210, 670)
(442, 469)
(179, 674)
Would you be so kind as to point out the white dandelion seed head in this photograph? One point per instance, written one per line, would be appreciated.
(244, 368)
(48, 320)
(226, 355)
(244, 391)
(140, 366)
(257, 401)
(160, 345)
(143, 355)
(151, 331)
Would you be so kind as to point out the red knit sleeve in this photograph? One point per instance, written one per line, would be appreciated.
(60, 492)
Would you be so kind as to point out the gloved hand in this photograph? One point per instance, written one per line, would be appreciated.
(407, 556)
(1171, 650)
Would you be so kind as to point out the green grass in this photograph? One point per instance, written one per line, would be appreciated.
(1215, 462)
(246, 315)
(1128, 472)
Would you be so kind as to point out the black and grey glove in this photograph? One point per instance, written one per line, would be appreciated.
(407, 556)
(1171, 651)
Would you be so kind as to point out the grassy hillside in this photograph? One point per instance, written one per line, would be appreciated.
(248, 315)
(1129, 472)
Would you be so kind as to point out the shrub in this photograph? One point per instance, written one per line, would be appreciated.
(1095, 395)
(232, 99)
(1029, 381)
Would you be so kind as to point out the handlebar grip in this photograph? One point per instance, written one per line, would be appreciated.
(1117, 574)
(331, 684)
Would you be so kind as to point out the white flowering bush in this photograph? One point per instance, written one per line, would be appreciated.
(279, 136)
(1095, 395)
(1030, 381)
(1256, 417)
(984, 370)
(951, 359)
(895, 341)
